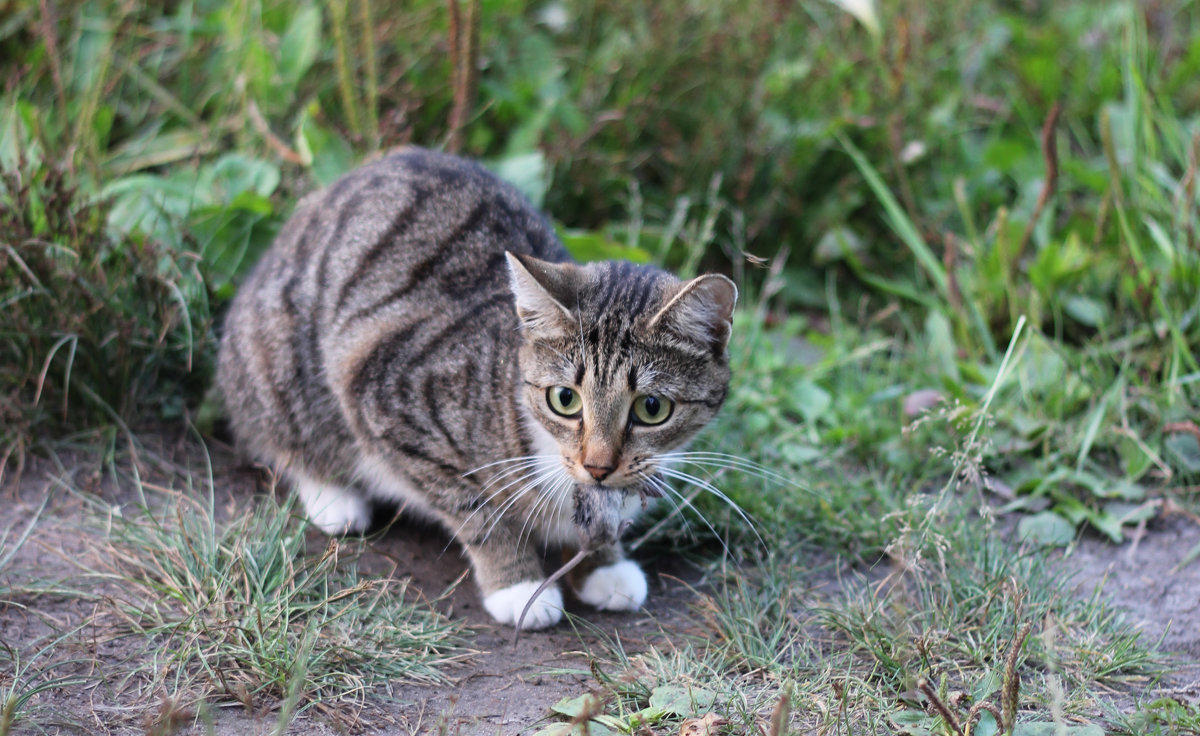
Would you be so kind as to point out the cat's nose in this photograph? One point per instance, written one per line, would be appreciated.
(599, 472)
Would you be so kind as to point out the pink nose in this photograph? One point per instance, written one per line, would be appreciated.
(599, 472)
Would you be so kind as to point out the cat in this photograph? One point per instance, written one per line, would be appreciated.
(417, 334)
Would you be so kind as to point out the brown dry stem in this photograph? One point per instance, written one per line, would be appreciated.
(1050, 154)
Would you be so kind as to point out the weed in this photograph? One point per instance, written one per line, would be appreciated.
(239, 610)
(23, 679)
(10, 545)
(93, 326)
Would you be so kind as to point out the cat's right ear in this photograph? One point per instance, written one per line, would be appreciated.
(540, 290)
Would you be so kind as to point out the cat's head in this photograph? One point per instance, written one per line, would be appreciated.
(621, 364)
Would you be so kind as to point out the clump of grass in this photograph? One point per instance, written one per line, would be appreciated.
(28, 669)
(11, 543)
(92, 327)
(242, 611)
(24, 678)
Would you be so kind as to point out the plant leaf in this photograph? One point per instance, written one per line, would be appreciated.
(679, 700)
(1046, 528)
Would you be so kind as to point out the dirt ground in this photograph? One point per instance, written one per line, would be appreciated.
(1150, 580)
(502, 689)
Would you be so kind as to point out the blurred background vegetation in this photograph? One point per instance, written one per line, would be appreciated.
(895, 186)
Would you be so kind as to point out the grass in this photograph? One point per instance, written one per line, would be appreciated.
(27, 677)
(242, 610)
(965, 235)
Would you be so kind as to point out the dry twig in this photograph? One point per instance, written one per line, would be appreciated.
(464, 54)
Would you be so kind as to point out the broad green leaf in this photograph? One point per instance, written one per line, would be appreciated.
(1099, 412)
(1130, 513)
(152, 205)
(300, 44)
(797, 454)
(1086, 310)
(588, 728)
(585, 246)
(1071, 508)
(986, 725)
(525, 171)
(235, 173)
(913, 722)
(231, 239)
(1183, 451)
(647, 716)
(1107, 524)
(326, 153)
(810, 400)
(574, 707)
(910, 717)
(157, 149)
(608, 723)
(989, 684)
(1041, 368)
(1047, 528)
(679, 700)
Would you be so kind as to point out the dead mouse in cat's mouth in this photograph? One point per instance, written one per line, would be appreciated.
(602, 514)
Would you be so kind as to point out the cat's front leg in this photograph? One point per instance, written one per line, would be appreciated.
(508, 575)
(609, 582)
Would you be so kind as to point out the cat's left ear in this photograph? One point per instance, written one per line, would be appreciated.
(540, 289)
(701, 311)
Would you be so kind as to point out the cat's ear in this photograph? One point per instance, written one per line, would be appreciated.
(701, 311)
(542, 291)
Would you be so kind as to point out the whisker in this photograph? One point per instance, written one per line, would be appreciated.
(664, 486)
(563, 495)
(721, 459)
(676, 509)
(524, 466)
(558, 494)
(545, 498)
(507, 460)
(689, 478)
(484, 503)
(499, 513)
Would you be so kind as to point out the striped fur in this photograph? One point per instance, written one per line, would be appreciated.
(387, 346)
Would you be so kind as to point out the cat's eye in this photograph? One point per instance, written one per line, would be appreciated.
(565, 401)
(651, 409)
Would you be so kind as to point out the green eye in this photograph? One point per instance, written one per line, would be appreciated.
(651, 409)
(564, 401)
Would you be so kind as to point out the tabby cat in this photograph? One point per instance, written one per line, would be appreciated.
(418, 335)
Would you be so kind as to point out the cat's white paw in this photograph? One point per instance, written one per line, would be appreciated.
(506, 605)
(619, 587)
(333, 510)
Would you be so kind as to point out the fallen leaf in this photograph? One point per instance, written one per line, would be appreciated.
(706, 725)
